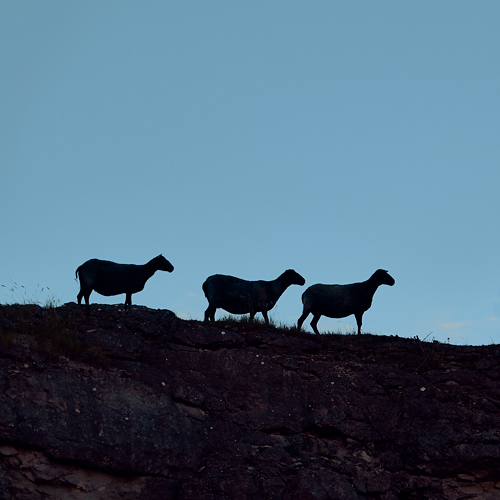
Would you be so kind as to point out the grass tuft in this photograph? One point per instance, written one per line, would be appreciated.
(46, 332)
(18, 294)
(258, 323)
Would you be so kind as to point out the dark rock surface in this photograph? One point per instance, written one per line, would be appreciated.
(148, 406)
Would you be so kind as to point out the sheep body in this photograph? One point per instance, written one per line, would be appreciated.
(238, 296)
(340, 301)
(109, 278)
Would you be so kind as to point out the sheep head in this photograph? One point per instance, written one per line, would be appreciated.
(293, 277)
(162, 264)
(383, 277)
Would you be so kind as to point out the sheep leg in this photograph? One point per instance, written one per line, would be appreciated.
(86, 295)
(314, 323)
(266, 319)
(359, 321)
(302, 319)
(210, 313)
(128, 299)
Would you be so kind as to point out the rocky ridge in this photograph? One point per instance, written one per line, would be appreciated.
(139, 404)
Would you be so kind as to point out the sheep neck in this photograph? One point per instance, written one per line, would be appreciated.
(149, 269)
(371, 286)
(279, 285)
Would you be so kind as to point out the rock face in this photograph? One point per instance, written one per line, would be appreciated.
(180, 410)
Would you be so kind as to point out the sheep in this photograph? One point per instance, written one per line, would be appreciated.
(339, 301)
(239, 296)
(110, 278)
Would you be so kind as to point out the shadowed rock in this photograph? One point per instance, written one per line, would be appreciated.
(183, 410)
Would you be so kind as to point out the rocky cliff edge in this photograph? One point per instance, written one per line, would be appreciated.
(139, 404)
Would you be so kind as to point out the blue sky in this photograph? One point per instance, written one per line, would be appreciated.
(334, 138)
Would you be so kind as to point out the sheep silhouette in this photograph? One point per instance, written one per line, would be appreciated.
(238, 296)
(109, 278)
(339, 301)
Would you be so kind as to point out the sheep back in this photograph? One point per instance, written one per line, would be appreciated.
(336, 301)
(235, 295)
(109, 278)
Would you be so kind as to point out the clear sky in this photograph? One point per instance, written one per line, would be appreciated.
(245, 138)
